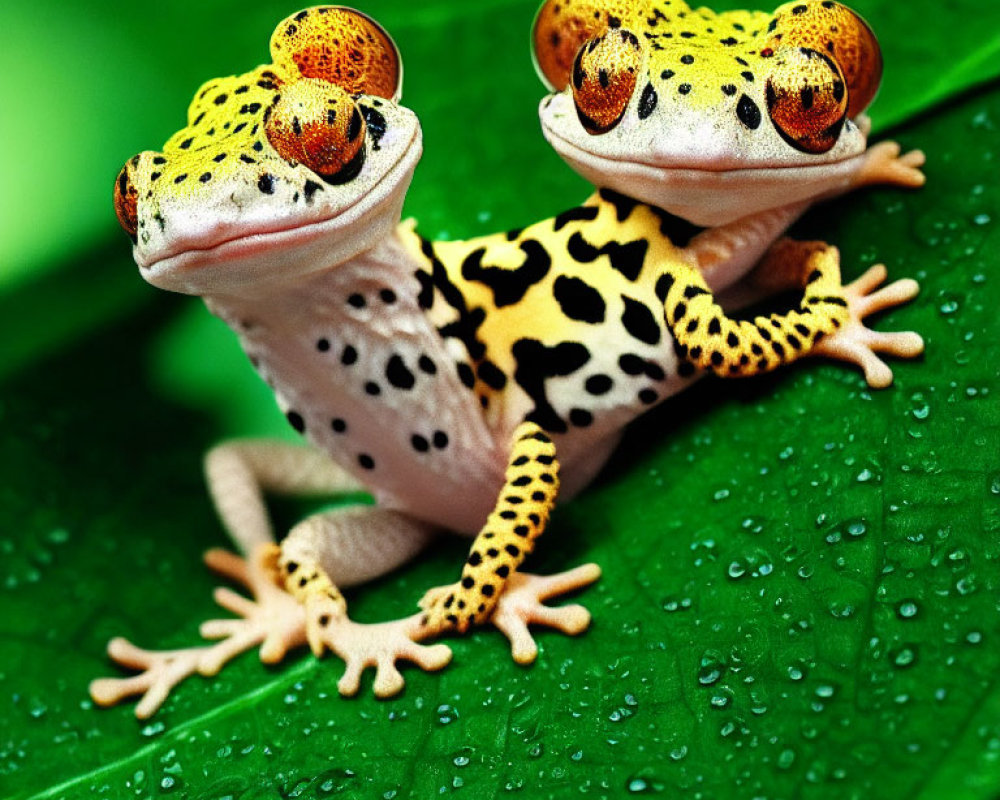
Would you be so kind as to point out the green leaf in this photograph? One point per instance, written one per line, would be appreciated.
(800, 575)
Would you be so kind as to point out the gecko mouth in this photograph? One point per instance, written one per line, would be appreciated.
(226, 243)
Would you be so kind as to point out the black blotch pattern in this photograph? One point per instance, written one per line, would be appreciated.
(536, 363)
(627, 257)
(577, 214)
(579, 300)
(509, 285)
(639, 321)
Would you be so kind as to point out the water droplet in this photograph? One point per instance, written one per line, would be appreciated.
(722, 697)
(722, 494)
(711, 668)
(446, 714)
(908, 609)
(678, 753)
(786, 758)
(904, 657)
(974, 637)
(981, 219)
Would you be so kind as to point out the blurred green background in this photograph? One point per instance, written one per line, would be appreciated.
(801, 576)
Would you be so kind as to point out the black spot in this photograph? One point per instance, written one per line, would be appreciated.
(581, 418)
(349, 356)
(220, 99)
(365, 461)
(667, 74)
(323, 345)
(186, 144)
(578, 300)
(338, 425)
(748, 112)
(180, 178)
(376, 124)
(490, 374)
(474, 559)
(205, 177)
(806, 97)
(398, 375)
(266, 183)
(509, 285)
(631, 364)
(598, 384)
(663, 285)
(466, 375)
(310, 189)
(536, 363)
(440, 440)
(639, 321)
(684, 88)
(426, 365)
(420, 443)
(388, 296)
(647, 101)
(687, 59)
(356, 300)
(714, 327)
(295, 420)
(648, 397)
(747, 75)
(373, 389)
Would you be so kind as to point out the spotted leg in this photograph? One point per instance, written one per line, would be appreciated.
(707, 339)
(491, 589)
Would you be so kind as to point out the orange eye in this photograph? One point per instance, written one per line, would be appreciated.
(806, 99)
(341, 46)
(126, 201)
(605, 73)
(562, 26)
(835, 30)
(317, 124)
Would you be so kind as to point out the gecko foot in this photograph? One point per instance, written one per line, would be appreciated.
(522, 604)
(858, 344)
(883, 164)
(273, 620)
(379, 645)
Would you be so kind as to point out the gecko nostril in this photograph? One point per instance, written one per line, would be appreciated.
(127, 202)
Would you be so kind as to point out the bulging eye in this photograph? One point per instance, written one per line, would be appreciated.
(604, 76)
(806, 99)
(562, 26)
(127, 201)
(836, 31)
(340, 46)
(318, 124)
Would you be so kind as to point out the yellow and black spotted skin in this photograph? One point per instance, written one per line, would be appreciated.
(464, 383)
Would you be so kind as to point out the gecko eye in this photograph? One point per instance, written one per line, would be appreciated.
(605, 73)
(562, 26)
(836, 31)
(126, 201)
(807, 99)
(317, 124)
(341, 46)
